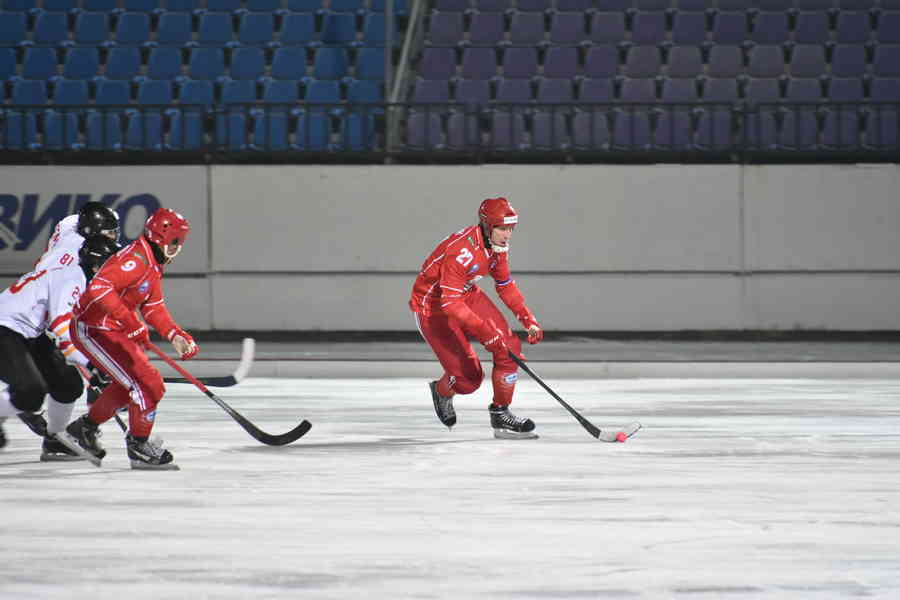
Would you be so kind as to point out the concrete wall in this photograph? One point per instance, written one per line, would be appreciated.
(667, 247)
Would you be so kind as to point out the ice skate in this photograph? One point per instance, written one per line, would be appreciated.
(86, 433)
(510, 427)
(54, 450)
(35, 421)
(149, 456)
(443, 407)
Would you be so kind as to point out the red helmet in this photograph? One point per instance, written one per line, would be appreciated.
(495, 212)
(166, 227)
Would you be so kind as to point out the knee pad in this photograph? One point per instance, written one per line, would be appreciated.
(69, 388)
(28, 397)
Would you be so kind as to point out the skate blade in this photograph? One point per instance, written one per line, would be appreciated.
(505, 434)
(66, 439)
(142, 466)
(60, 458)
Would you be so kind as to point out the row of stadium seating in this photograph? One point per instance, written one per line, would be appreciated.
(663, 5)
(236, 7)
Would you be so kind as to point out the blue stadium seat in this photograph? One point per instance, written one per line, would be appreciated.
(223, 5)
(181, 5)
(271, 131)
(452, 5)
(133, 28)
(239, 92)
(513, 91)
(215, 29)
(70, 92)
(808, 61)
(289, 63)
(567, 28)
(370, 63)
(197, 92)
(590, 130)
(206, 63)
(526, 28)
(313, 132)
(446, 28)
(770, 28)
(841, 123)
(561, 61)
(231, 129)
(401, 7)
(852, 28)
(473, 91)
(762, 90)
(330, 63)
(812, 28)
(848, 60)
(715, 129)
(692, 5)
(845, 90)
(684, 61)
(808, 89)
(338, 28)
(424, 131)
(297, 28)
(679, 90)
(141, 5)
(674, 130)
(18, 5)
(520, 62)
(885, 90)
(59, 5)
(480, 63)
(641, 90)
(281, 91)
(263, 5)
(595, 90)
(61, 131)
(357, 131)
(164, 63)
(363, 91)
(725, 61)
(815, 4)
(19, 131)
(186, 131)
(247, 63)
(643, 61)
(256, 29)
(496, 6)
(507, 131)
(729, 28)
(857, 4)
(103, 131)
(721, 90)
(144, 131)
(12, 28)
(51, 28)
(8, 65)
(730, 5)
(348, 6)
(773, 5)
(374, 30)
(555, 91)
(321, 91)
(39, 63)
(92, 28)
(438, 63)
(631, 129)
(487, 29)
(882, 127)
(122, 62)
(155, 93)
(304, 6)
(608, 28)
(549, 131)
(81, 63)
(889, 28)
(463, 132)
(689, 28)
(113, 93)
(648, 28)
(886, 61)
(601, 61)
(563, 5)
(174, 29)
(659, 5)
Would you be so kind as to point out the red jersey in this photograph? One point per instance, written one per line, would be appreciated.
(128, 280)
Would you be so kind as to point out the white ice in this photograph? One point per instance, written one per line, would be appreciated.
(734, 489)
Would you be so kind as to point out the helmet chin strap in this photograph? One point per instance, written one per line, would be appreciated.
(174, 254)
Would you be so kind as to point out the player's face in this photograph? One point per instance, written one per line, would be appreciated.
(500, 235)
(112, 234)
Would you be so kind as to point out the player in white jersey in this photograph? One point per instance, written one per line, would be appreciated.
(33, 310)
(94, 218)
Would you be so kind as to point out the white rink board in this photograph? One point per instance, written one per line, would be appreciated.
(763, 489)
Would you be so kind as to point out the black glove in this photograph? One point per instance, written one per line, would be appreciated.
(98, 379)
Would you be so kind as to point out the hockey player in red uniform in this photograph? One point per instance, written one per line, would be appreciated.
(107, 330)
(450, 310)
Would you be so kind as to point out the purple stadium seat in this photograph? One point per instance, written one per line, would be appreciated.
(424, 131)
(595, 90)
(815, 4)
(845, 90)
(720, 90)
(438, 63)
(886, 61)
(889, 28)
(770, 28)
(526, 28)
(601, 61)
(679, 90)
(520, 62)
(853, 28)
(659, 5)
(568, 5)
(549, 131)
(684, 61)
(729, 27)
(445, 28)
(631, 129)
(804, 90)
(714, 130)
(808, 61)
(848, 60)
(841, 127)
(773, 5)
(555, 91)
(799, 129)
(643, 61)
(431, 90)
(567, 28)
(473, 91)
(608, 28)
(487, 29)
(689, 28)
(479, 63)
(590, 130)
(536, 5)
(725, 61)
(674, 130)
(463, 132)
(812, 28)
(885, 90)
(561, 61)
(497, 6)
(507, 131)
(762, 90)
(648, 28)
(513, 91)
(452, 5)
(638, 90)
(882, 128)
(766, 61)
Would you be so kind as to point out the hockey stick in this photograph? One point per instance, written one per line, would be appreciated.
(604, 436)
(266, 438)
(247, 350)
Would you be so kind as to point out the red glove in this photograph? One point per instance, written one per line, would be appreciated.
(184, 344)
(138, 334)
(535, 333)
(493, 340)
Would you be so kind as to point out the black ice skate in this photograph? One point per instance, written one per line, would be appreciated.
(443, 407)
(508, 426)
(86, 433)
(148, 455)
(35, 421)
(54, 450)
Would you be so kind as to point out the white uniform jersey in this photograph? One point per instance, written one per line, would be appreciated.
(63, 247)
(41, 301)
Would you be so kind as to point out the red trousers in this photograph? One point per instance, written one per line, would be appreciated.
(462, 367)
(135, 382)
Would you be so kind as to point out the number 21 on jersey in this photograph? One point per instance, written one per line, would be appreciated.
(465, 257)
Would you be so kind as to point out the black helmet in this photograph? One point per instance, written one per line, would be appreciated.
(95, 218)
(94, 252)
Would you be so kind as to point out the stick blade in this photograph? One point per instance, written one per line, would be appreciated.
(248, 352)
(615, 435)
(72, 444)
(285, 438)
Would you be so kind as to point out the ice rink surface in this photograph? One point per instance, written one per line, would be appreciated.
(757, 489)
